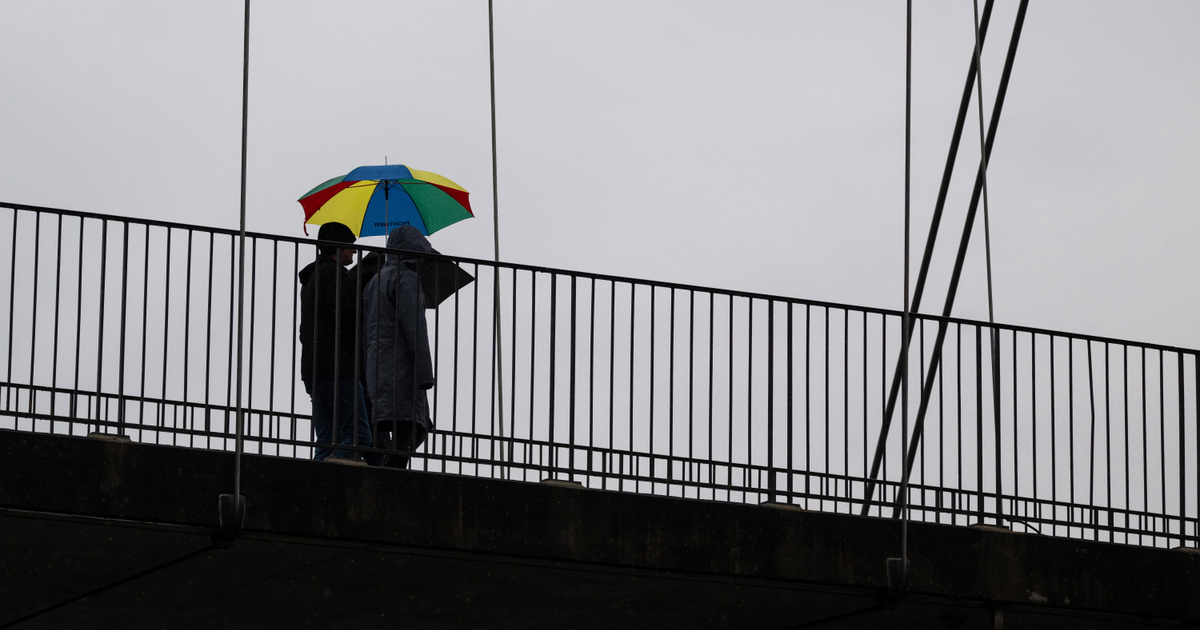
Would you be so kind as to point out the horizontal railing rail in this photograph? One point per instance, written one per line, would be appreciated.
(125, 326)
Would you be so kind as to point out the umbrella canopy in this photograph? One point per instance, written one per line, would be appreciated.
(373, 200)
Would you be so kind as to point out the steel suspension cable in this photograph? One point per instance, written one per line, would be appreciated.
(498, 347)
(926, 260)
(237, 478)
(898, 589)
(231, 508)
(956, 274)
(994, 335)
(983, 163)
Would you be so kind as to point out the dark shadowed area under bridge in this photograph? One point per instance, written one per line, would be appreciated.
(335, 545)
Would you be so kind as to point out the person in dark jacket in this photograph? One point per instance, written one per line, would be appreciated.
(328, 315)
(396, 343)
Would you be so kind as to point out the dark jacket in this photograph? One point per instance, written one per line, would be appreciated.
(395, 337)
(327, 293)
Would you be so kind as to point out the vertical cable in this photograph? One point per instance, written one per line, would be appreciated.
(906, 318)
(232, 509)
(892, 393)
(987, 248)
(496, 228)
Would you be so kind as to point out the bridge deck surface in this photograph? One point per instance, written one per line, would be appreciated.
(326, 545)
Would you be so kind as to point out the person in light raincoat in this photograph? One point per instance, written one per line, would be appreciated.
(399, 368)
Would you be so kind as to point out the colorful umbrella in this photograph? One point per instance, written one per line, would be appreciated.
(374, 200)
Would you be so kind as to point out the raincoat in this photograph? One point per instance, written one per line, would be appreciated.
(399, 369)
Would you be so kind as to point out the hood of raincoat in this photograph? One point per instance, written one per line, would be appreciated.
(410, 239)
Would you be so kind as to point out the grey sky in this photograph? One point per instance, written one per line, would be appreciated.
(750, 145)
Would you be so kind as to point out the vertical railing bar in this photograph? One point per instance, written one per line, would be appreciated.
(37, 247)
(571, 378)
(1053, 428)
(791, 417)
(273, 427)
(552, 366)
(295, 424)
(474, 371)
(997, 419)
(57, 304)
(866, 343)
(434, 405)
(941, 429)
(495, 381)
(845, 402)
(121, 337)
(1195, 462)
(231, 370)
(101, 309)
(1092, 446)
(1125, 404)
(671, 394)
(712, 352)
(1033, 424)
(634, 462)
(1182, 454)
(771, 487)
(1162, 435)
(749, 394)
(474, 364)
(958, 419)
(12, 301)
(591, 395)
(208, 344)
(1145, 439)
(1016, 410)
(807, 400)
(533, 294)
(921, 373)
(691, 359)
(512, 385)
(1071, 421)
(729, 418)
(249, 373)
(825, 371)
(78, 318)
(188, 421)
(145, 332)
(316, 310)
(883, 395)
(1109, 502)
(456, 449)
(612, 380)
(979, 462)
(652, 381)
(447, 443)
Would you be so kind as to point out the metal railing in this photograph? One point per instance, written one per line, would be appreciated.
(125, 326)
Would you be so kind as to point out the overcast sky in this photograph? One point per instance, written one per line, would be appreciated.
(754, 145)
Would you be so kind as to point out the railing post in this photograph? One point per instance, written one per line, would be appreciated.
(1182, 454)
